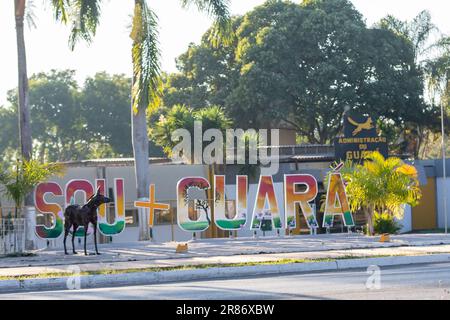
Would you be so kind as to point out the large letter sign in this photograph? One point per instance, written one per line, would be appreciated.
(199, 211)
(194, 207)
(240, 218)
(52, 209)
(303, 198)
(71, 189)
(336, 203)
(117, 227)
(266, 196)
(151, 205)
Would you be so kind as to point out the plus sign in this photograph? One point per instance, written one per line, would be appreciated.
(152, 205)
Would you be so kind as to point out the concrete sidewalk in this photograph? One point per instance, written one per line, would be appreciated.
(142, 255)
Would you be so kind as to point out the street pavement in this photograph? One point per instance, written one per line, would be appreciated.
(430, 281)
(221, 251)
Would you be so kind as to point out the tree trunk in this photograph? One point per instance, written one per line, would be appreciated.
(141, 166)
(24, 111)
(24, 117)
(369, 216)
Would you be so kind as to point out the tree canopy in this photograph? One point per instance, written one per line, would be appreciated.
(72, 122)
(302, 66)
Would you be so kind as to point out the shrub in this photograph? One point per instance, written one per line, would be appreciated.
(381, 185)
(385, 223)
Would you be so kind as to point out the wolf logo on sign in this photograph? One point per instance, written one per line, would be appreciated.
(368, 125)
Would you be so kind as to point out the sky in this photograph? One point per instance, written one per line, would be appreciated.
(47, 44)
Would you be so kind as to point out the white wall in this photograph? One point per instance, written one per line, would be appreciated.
(161, 233)
(440, 201)
(406, 222)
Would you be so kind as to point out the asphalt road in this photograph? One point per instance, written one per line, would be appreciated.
(430, 281)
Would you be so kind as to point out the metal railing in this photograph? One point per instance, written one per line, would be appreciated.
(301, 150)
(12, 232)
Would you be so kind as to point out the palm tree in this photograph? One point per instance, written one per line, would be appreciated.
(438, 74)
(24, 110)
(381, 185)
(17, 184)
(420, 33)
(183, 117)
(18, 181)
(84, 16)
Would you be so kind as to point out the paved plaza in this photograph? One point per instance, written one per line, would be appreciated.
(142, 255)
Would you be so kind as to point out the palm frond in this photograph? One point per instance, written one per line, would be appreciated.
(147, 83)
(384, 184)
(222, 31)
(20, 179)
(420, 29)
(30, 17)
(85, 17)
(61, 7)
(439, 68)
(392, 163)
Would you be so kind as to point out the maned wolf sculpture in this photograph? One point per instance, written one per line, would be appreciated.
(76, 216)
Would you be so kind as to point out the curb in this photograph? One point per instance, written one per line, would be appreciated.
(149, 278)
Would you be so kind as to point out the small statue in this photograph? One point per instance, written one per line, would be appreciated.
(76, 216)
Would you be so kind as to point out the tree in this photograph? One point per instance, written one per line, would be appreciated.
(302, 66)
(183, 117)
(70, 122)
(57, 123)
(207, 74)
(18, 182)
(105, 102)
(146, 81)
(438, 80)
(438, 74)
(420, 33)
(23, 109)
(9, 144)
(381, 185)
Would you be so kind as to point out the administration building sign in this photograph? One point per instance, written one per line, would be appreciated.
(360, 137)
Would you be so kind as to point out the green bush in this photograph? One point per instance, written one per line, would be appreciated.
(385, 223)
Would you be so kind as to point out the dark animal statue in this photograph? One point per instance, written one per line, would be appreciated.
(76, 216)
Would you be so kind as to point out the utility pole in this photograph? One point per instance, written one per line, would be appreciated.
(444, 168)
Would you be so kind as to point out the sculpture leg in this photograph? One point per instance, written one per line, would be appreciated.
(66, 232)
(95, 239)
(75, 227)
(85, 236)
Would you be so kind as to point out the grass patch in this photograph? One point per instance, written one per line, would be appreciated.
(160, 269)
(186, 267)
(429, 231)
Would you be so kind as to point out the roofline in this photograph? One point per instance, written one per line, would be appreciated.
(116, 162)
